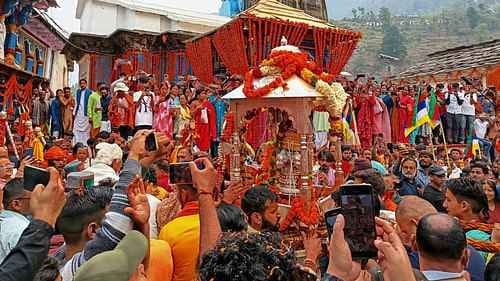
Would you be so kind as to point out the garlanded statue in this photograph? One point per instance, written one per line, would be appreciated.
(38, 144)
(29, 134)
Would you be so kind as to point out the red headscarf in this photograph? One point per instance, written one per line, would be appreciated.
(56, 153)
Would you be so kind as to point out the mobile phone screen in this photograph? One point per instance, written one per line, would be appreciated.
(358, 209)
(150, 142)
(330, 219)
(180, 173)
(34, 176)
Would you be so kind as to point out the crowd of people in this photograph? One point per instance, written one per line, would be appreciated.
(109, 211)
(466, 111)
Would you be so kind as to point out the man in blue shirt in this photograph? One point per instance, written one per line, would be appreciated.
(13, 221)
(412, 180)
(221, 108)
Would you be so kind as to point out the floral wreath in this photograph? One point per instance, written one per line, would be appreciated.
(283, 63)
(309, 217)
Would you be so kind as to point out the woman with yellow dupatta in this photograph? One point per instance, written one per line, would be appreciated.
(38, 144)
(184, 117)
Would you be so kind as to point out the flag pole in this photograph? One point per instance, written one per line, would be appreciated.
(445, 144)
(432, 144)
(356, 136)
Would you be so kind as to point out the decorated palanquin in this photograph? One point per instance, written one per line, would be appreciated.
(248, 39)
(290, 83)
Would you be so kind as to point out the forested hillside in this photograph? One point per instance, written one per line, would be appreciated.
(410, 38)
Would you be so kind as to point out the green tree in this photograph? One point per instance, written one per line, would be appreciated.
(354, 14)
(393, 43)
(384, 15)
(481, 32)
(473, 17)
(362, 13)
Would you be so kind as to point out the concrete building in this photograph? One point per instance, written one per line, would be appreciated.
(103, 17)
(151, 36)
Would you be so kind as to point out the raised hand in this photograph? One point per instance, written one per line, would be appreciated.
(341, 264)
(139, 205)
(393, 257)
(203, 180)
(137, 147)
(47, 202)
(312, 245)
(165, 148)
(28, 160)
(234, 192)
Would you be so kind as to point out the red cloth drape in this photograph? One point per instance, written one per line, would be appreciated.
(171, 61)
(265, 34)
(338, 46)
(229, 42)
(10, 88)
(493, 78)
(365, 119)
(199, 53)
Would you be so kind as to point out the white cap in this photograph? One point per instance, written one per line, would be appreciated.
(106, 153)
(120, 86)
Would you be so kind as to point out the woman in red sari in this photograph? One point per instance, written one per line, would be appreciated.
(365, 103)
(205, 124)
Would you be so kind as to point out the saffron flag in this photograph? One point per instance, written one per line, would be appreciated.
(420, 114)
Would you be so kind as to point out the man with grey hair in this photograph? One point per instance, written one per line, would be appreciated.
(107, 163)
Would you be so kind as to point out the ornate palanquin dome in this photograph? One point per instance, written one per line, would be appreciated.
(249, 37)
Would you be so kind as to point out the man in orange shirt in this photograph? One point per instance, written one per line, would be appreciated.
(183, 234)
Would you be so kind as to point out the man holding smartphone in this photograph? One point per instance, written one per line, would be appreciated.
(143, 108)
(455, 120)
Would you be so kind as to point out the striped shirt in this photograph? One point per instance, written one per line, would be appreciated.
(116, 223)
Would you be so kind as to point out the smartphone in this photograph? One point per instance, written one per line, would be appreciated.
(330, 219)
(180, 173)
(151, 144)
(358, 209)
(34, 176)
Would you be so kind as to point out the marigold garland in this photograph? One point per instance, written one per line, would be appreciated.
(298, 210)
(267, 163)
(284, 64)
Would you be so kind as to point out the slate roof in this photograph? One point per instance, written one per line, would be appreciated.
(460, 58)
(278, 10)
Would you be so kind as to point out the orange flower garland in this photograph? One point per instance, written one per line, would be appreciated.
(289, 63)
(308, 217)
(267, 158)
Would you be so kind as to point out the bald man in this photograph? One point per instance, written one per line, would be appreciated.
(408, 214)
(442, 248)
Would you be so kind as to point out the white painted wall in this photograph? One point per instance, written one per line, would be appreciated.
(146, 22)
(98, 18)
(103, 17)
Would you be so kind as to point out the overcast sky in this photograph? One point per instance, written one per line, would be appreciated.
(65, 15)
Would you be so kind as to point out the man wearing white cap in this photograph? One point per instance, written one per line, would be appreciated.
(122, 110)
(107, 163)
